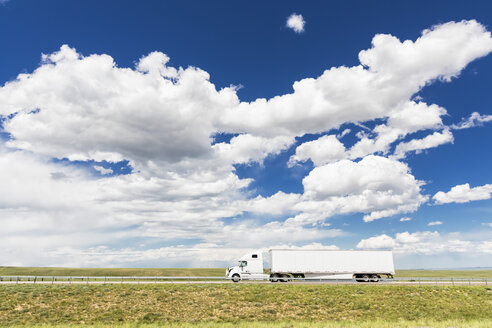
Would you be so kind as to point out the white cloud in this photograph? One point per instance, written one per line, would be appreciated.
(375, 185)
(321, 151)
(246, 148)
(344, 133)
(113, 113)
(463, 194)
(378, 242)
(391, 72)
(475, 119)
(488, 224)
(426, 242)
(411, 118)
(103, 170)
(184, 190)
(296, 23)
(433, 223)
(405, 219)
(431, 141)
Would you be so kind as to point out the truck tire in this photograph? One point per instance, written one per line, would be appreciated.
(274, 278)
(236, 277)
(362, 278)
(284, 278)
(375, 278)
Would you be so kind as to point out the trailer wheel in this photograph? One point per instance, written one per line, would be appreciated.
(236, 277)
(274, 278)
(365, 278)
(375, 278)
(284, 278)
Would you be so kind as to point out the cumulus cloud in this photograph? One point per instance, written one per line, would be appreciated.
(375, 185)
(377, 242)
(324, 150)
(431, 141)
(391, 72)
(426, 242)
(412, 117)
(296, 23)
(113, 113)
(463, 194)
(405, 219)
(182, 188)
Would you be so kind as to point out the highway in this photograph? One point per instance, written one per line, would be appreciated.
(414, 281)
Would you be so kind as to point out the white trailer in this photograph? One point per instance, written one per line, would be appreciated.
(315, 264)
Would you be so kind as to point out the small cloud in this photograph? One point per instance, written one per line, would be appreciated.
(296, 22)
(103, 170)
(433, 223)
(344, 133)
(487, 224)
(475, 119)
(405, 219)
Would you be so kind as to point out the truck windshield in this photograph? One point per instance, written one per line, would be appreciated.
(243, 263)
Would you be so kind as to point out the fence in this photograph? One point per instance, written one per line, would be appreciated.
(163, 279)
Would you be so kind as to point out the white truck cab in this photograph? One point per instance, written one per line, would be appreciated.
(250, 268)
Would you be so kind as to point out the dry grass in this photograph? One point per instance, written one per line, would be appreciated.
(293, 324)
(241, 304)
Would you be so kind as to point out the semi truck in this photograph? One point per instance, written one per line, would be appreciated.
(285, 264)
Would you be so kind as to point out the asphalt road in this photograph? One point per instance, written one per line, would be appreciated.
(324, 282)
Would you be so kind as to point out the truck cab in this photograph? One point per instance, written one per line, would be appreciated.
(250, 267)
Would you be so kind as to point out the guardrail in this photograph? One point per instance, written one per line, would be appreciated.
(166, 279)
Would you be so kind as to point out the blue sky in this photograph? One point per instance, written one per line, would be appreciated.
(111, 155)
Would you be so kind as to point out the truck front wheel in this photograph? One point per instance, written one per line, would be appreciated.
(236, 277)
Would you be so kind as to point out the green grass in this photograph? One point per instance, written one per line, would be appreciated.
(244, 303)
(202, 272)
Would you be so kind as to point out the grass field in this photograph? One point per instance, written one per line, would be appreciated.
(200, 272)
(444, 273)
(290, 324)
(117, 272)
(244, 305)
